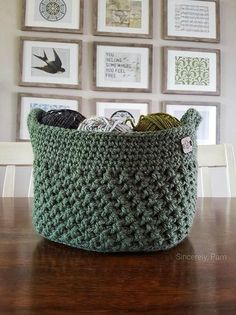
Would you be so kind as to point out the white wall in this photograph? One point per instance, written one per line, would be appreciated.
(10, 20)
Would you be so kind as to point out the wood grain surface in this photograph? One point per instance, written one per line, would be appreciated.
(196, 277)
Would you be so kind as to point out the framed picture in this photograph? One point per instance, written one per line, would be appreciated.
(50, 62)
(131, 18)
(192, 20)
(209, 129)
(122, 107)
(122, 67)
(191, 71)
(65, 16)
(27, 102)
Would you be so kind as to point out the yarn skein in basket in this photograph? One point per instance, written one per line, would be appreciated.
(103, 124)
(112, 191)
(64, 118)
(159, 121)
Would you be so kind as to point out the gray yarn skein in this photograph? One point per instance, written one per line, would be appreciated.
(103, 124)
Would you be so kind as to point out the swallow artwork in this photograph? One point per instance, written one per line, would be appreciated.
(53, 66)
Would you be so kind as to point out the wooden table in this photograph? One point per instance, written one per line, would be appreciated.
(44, 278)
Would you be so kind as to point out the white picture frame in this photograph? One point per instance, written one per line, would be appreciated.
(28, 101)
(193, 71)
(192, 20)
(209, 128)
(123, 18)
(122, 67)
(65, 16)
(108, 107)
(37, 53)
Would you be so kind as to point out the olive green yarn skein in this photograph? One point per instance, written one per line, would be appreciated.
(158, 121)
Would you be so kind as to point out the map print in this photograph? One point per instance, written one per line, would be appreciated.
(192, 71)
(124, 13)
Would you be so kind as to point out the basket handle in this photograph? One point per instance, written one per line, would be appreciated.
(191, 116)
(34, 117)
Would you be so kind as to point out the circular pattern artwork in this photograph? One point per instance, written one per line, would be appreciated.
(52, 10)
(123, 115)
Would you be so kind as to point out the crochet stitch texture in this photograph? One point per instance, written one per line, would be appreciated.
(113, 192)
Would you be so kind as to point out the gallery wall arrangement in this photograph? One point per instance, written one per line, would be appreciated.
(120, 66)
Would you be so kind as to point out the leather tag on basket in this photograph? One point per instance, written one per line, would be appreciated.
(187, 145)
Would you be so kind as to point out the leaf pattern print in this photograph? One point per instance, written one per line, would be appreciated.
(192, 71)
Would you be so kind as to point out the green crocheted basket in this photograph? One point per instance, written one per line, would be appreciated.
(112, 192)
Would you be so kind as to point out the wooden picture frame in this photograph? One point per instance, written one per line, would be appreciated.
(124, 22)
(193, 71)
(108, 107)
(178, 22)
(35, 71)
(29, 101)
(61, 16)
(209, 129)
(122, 67)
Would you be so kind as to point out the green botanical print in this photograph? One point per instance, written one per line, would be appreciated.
(192, 71)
